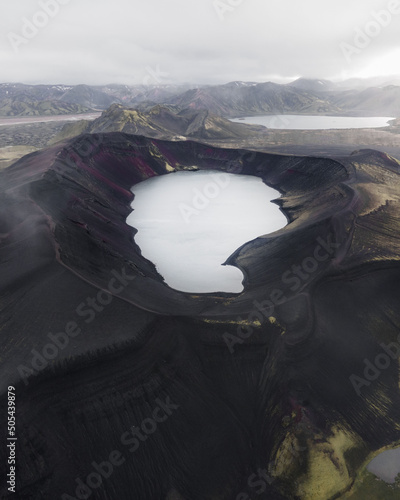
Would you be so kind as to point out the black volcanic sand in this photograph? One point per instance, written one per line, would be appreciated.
(279, 399)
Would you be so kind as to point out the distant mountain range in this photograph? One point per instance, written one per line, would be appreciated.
(235, 99)
(240, 99)
(17, 99)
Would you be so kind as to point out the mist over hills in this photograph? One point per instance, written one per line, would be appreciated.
(238, 99)
(313, 85)
(303, 96)
(300, 97)
(374, 100)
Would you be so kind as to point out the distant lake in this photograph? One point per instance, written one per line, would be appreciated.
(305, 122)
(386, 465)
(189, 223)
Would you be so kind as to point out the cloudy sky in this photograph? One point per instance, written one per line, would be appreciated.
(196, 41)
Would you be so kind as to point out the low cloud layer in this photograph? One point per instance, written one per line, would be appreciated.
(212, 41)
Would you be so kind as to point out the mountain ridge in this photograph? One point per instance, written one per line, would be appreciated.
(233, 99)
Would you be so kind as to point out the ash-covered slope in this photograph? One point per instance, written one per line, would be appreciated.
(247, 394)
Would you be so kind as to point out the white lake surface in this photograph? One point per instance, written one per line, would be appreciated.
(189, 223)
(303, 122)
(386, 465)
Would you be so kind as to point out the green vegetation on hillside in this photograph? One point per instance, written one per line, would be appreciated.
(40, 108)
(369, 487)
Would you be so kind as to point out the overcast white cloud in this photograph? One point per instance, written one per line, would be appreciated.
(196, 41)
